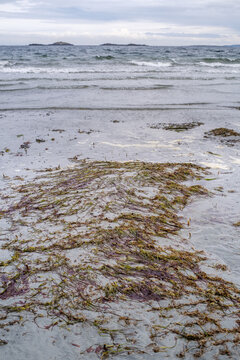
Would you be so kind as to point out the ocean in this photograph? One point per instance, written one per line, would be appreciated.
(62, 104)
(134, 77)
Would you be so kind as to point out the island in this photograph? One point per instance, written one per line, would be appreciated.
(61, 43)
(110, 44)
(36, 44)
(58, 43)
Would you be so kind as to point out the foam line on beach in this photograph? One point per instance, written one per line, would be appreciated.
(149, 144)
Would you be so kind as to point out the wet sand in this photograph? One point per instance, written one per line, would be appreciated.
(34, 140)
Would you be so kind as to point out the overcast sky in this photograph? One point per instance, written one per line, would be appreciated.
(153, 22)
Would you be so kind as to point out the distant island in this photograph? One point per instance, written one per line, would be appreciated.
(58, 43)
(36, 45)
(110, 44)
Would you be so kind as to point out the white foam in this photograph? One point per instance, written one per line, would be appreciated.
(218, 64)
(35, 70)
(235, 160)
(152, 64)
(215, 165)
(39, 70)
(147, 144)
(4, 63)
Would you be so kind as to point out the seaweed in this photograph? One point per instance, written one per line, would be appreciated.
(223, 132)
(59, 130)
(89, 241)
(178, 127)
(228, 136)
(88, 132)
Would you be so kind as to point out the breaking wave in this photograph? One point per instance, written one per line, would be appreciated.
(152, 64)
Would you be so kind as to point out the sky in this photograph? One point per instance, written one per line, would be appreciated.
(92, 22)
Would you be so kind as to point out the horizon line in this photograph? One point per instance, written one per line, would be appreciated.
(121, 44)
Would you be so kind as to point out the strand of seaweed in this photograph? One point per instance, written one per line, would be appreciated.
(98, 245)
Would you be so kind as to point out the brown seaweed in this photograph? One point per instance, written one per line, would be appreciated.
(178, 127)
(227, 136)
(90, 240)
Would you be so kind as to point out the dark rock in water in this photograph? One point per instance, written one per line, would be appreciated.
(61, 43)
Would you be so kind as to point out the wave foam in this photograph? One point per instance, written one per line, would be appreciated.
(152, 64)
(35, 70)
(4, 63)
(218, 64)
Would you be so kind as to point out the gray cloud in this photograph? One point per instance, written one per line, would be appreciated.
(199, 13)
(185, 12)
(7, 1)
(204, 14)
(184, 35)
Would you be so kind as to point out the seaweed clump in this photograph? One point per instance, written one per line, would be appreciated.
(97, 245)
(178, 127)
(227, 136)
